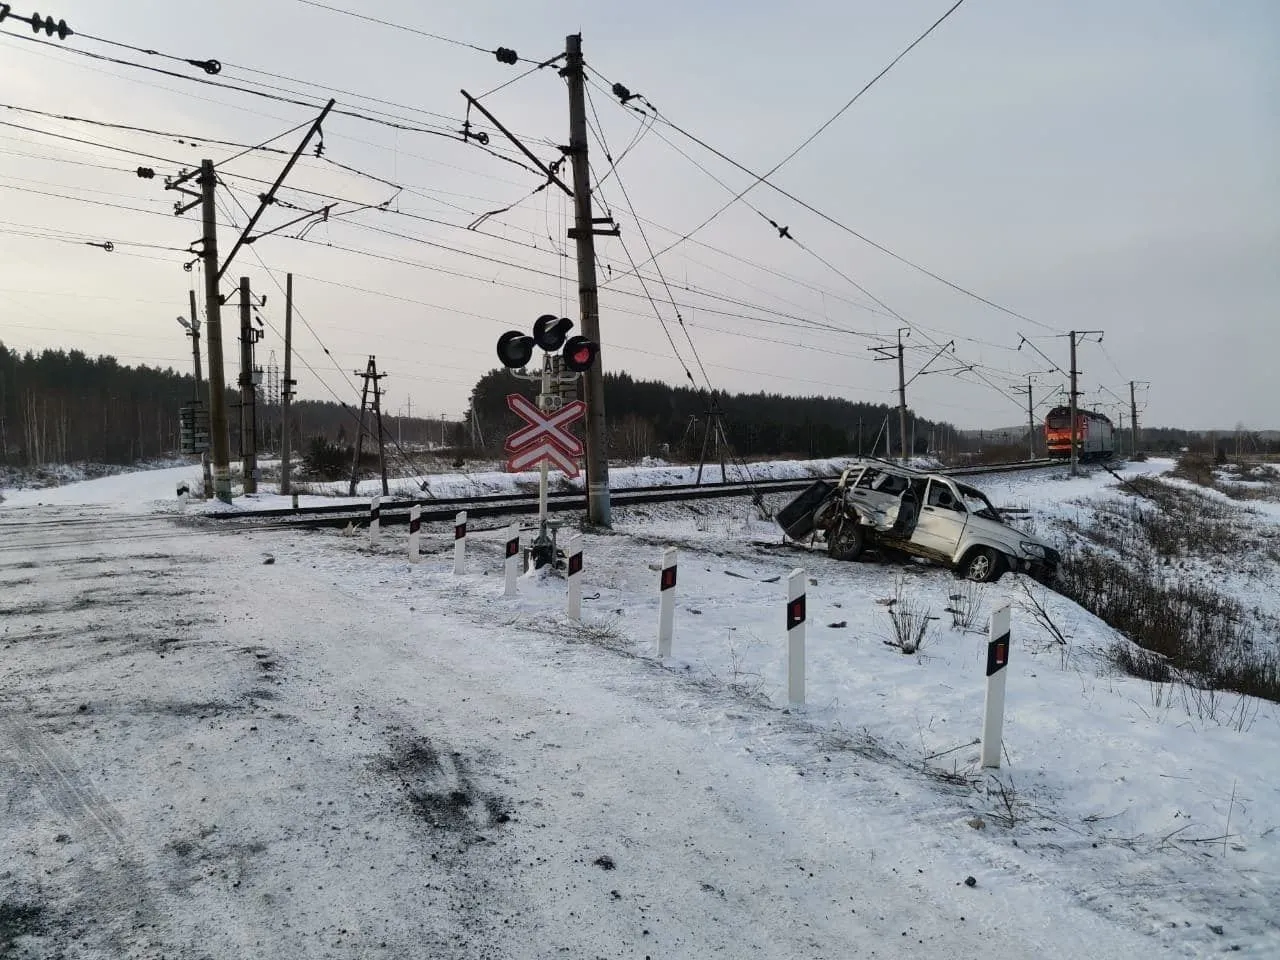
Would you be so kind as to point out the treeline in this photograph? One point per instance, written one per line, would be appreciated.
(63, 406)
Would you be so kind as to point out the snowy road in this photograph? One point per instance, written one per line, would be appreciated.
(206, 756)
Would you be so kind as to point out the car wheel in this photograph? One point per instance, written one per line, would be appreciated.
(983, 566)
(846, 541)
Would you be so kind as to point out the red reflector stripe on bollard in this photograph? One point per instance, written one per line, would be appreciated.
(795, 612)
(997, 654)
(668, 581)
(459, 531)
(575, 563)
(513, 547)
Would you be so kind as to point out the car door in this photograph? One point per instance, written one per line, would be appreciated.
(942, 520)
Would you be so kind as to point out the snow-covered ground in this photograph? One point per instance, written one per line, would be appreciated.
(345, 754)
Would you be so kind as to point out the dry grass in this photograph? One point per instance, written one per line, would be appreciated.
(1125, 567)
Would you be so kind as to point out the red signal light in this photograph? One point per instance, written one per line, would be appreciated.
(580, 353)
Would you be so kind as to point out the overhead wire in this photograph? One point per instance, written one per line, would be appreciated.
(785, 233)
(154, 157)
(151, 85)
(402, 26)
(293, 100)
(302, 317)
(761, 178)
(825, 217)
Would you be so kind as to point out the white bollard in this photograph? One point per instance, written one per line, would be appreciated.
(459, 543)
(997, 661)
(666, 602)
(415, 528)
(573, 553)
(375, 520)
(513, 558)
(795, 636)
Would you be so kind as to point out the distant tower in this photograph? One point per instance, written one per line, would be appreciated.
(273, 380)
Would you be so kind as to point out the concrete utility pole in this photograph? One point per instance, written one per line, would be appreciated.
(1075, 443)
(286, 394)
(195, 342)
(1031, 422)
(213, 326)
(599, 510)
(193, 331)
(889, 353)
(248, 396)
(1076, 336)
(364, 403)
(902, 401)
(382, 437)
(1133, 416)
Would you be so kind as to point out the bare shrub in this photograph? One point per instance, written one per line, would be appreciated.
(1196, 467)
(909, 621)
(1036, 606)
(966, 605)
(1193, 629)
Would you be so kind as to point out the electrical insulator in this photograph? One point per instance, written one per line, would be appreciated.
(47, 24)
(506, 55)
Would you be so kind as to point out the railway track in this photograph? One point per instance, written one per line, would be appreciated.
(395, 512)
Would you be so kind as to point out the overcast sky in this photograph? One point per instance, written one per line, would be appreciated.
(1088, 164)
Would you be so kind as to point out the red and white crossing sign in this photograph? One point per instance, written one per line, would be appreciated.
(545, 438)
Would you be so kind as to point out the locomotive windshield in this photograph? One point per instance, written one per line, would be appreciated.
(1060, 418)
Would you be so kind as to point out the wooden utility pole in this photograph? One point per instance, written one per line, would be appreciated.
(583, 232)
(213, 327)
(248, 395)
(286, 394)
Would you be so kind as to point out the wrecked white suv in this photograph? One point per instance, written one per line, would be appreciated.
(898, 510)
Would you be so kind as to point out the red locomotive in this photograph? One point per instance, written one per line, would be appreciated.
(1095, 436)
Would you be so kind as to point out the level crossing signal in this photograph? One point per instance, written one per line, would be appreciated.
(550, 333)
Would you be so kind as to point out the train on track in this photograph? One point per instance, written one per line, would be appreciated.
(1094, 432)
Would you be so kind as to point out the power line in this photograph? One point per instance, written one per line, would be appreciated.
(394, 124)
(644, 237)
(151, 85)
(326, 350)
(826, 217)
(414, 30)
(839, 113)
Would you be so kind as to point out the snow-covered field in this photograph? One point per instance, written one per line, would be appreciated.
(343, 754)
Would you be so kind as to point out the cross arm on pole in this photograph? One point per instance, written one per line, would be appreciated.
(520, 146)
(270, 195)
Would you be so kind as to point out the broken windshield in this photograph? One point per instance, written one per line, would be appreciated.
(978, 504)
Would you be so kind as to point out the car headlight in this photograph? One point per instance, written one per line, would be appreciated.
(1033, 549)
